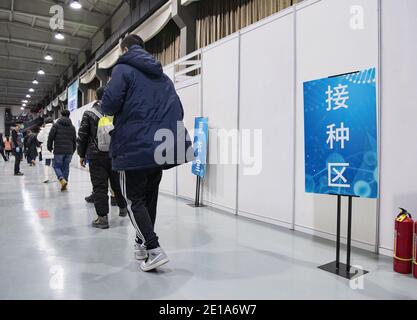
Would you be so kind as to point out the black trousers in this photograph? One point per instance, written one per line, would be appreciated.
(100, 173)
(3, 155)
(140, 189)
(18, 158)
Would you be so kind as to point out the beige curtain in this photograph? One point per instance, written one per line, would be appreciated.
(217, 19)
(165, 46)
(91, 92)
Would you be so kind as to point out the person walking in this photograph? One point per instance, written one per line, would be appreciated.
(2, 145)
(144, 103)
(62, 141)
(8, 147)
(46, 154)
(100, 165)
(17, 141)
(31, 147)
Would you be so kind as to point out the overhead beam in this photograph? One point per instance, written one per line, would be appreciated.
(37, 42)
(48, 74)
(34, 61)
(42, 51)
(31, 26)
(33, 8)
(25, 81)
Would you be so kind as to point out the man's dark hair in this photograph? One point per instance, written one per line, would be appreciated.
(48, 120)
(65, 113)
(100, 93)
(131, 40)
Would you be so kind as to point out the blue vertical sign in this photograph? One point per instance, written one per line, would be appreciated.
(200, 147)
(341, 135)
(73, 96)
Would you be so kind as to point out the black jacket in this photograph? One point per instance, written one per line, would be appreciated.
(62, 138)
(17, 140)
(87, 136)
(31, 145)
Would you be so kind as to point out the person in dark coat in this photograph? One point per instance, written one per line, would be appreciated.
(62, 141)
(31, 147)
(17, 142)
(2, 146)
(149, 136)
(100, 165)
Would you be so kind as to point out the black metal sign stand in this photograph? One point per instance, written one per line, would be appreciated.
(197, 203)
(336, 267)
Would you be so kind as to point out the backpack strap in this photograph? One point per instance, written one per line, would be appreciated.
(96, 112)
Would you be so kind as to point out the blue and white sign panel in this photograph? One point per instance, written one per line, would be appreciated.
(73, 96)
(341, 135)
(200, 146)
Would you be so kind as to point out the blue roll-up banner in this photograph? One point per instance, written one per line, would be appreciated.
(200, 146)
(341, 135)
(73, 96)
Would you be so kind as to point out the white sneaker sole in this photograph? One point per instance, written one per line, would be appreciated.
(138, 257)
(157, 265)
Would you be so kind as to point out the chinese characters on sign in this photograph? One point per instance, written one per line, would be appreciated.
(341, 149)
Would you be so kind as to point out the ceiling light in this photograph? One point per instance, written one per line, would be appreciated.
(24, 101)
(48, 57)
(22, 108)
(59, 36)
(28, 96)
(31, 90)
(35, 81)
(75, 5)
(41, 72)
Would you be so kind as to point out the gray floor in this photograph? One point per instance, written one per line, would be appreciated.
(49, 251)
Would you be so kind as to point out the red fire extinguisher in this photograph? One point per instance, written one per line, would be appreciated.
(403, 242)
(415, 251)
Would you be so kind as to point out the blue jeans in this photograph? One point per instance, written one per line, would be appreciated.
(62, 165)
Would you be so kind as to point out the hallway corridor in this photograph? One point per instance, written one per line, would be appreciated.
(48, 250)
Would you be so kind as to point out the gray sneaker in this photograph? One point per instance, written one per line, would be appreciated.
(156, 258)
(101, 223)
(140, 252)
(123, 212)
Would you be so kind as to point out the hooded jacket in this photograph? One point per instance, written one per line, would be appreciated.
(62, 138)
(148, 115)
(87, 144)
(43, 139)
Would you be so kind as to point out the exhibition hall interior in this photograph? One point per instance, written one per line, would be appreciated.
(208, 150)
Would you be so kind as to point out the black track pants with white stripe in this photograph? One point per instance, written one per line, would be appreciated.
(140, 189)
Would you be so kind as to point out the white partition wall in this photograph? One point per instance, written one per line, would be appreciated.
(267, 103)
(190, 95)
(398, 115)
(328, 45)
(254, 80)
(220, 105)
(169, 178)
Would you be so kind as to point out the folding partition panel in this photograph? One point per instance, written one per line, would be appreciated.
(398, 115)
(220, 105)
(267, 104)
(331, 40)
(190, 97)
(169, 178)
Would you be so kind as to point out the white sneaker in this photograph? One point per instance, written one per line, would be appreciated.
(156, 258)
(140, 252)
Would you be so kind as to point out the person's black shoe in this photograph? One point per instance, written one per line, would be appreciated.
(101, 223)
(113, 201)
(90, 198)
(123, 212)
(19, 174)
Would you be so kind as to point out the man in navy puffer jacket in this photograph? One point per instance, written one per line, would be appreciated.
(148, 136)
